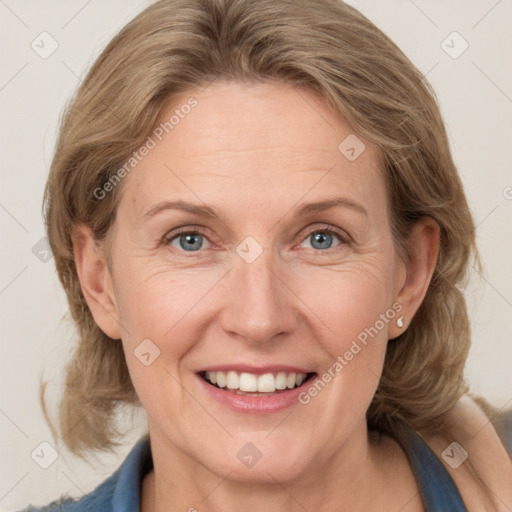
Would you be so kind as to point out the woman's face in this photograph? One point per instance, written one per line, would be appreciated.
(261, 290)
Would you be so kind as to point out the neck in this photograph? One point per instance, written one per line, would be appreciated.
(355, 478)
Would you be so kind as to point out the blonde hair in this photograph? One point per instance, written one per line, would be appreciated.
(329, 48)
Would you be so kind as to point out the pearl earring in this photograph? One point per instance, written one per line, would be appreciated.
(400, 322)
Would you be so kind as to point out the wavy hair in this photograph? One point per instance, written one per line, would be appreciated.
(329, 48)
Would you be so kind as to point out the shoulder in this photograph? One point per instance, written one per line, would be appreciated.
(122, 487)
(478, 463)
(503, 425)
(64, 504)
(99, 499)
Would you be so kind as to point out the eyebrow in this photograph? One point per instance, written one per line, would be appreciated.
(210, 212)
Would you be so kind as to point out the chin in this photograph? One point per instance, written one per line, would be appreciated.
(264, 472)
(248, 463)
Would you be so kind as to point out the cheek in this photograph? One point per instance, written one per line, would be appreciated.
(166, 306)
(354, 308)
(349, 302)
(157, 302)
(150, 298)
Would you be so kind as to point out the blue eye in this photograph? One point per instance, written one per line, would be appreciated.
(322, 239)
(189, 241)
(193, 240)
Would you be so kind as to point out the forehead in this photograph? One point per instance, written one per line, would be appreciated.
(249, 143)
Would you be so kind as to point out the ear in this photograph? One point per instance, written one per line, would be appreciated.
(417, 270)
(95, 280)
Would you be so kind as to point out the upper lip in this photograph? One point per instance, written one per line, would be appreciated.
(257, 370)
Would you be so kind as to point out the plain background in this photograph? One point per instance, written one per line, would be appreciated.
(475, 95)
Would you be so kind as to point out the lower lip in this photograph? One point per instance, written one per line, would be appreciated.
(265, 404)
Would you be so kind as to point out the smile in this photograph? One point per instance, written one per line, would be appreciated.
(263, 390)
(244, 382)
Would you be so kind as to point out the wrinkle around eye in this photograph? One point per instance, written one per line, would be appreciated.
(344, 240)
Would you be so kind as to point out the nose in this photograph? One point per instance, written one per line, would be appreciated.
(261, 306)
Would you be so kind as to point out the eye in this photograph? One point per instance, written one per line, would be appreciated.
(192, 240)
(322, 238)
(187, 240)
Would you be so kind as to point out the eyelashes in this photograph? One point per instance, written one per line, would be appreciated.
(182, 233)
(188, 235)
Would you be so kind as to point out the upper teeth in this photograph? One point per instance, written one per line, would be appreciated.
(266, 383)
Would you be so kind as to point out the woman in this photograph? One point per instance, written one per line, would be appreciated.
(257, 220)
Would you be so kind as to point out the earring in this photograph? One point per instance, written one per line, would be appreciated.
(400, 322)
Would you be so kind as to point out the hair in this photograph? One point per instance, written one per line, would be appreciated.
(323, 46)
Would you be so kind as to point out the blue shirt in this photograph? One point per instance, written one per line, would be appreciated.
(121, 492)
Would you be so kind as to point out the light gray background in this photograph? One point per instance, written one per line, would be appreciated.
(475, 94)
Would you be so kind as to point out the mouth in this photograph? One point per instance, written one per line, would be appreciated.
(258, 385)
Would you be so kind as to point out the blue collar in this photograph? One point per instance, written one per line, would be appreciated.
(127, 491)
(122, 491)
(437, 487)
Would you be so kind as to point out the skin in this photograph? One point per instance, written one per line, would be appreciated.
(256, 153)
(471, 428)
